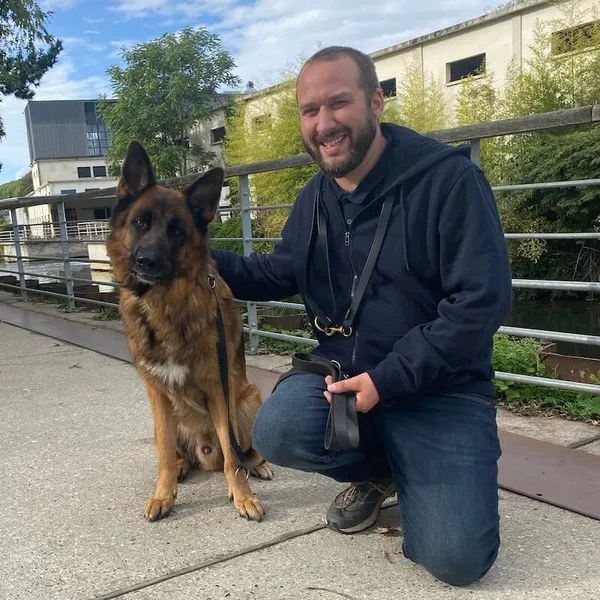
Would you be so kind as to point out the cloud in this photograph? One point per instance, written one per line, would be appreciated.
(265, 35)
(58, 84)
(57, 4)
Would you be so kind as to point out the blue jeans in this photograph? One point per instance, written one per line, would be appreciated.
(441, 451)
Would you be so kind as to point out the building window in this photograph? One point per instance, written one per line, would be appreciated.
(67, 192)
(217, 135)
(101, 214)
(100, 171)
(84, 172)
(460, 69)
(388, 87)
(91, 189)
(581, 37)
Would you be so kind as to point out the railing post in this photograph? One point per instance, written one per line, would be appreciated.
(247, 235)
(64, 243)
(17, 242)
(476, 151)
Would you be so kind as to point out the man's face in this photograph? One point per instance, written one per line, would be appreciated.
(338, 123)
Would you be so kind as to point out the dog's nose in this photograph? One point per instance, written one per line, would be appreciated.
(148, 261)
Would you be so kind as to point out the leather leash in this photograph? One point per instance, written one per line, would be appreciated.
(244, 464)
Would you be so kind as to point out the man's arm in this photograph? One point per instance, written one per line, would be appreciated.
(261, 277)
(476, 278)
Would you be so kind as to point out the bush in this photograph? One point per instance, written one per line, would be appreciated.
(524, 357)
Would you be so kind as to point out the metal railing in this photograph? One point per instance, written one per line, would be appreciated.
(42, 232)
(473, 134)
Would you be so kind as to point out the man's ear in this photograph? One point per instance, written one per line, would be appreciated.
(136, 172)
(204, 194)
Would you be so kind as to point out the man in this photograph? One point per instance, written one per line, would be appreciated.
(418, 354)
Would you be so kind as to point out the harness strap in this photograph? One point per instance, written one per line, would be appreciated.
(324, 323)
(244, 463)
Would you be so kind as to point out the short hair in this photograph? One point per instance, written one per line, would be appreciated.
(368, 80)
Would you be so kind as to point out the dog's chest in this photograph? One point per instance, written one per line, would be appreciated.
(170, 372)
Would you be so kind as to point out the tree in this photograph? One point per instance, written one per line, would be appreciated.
(167, 86)
(419, 104)
(27, 50)
(266, 130)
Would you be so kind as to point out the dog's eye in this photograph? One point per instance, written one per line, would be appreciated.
(140, 223)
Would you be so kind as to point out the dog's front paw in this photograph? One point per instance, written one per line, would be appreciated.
(263, 471)
(249, 507)
(158, 508)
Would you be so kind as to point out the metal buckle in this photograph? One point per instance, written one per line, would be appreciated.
(240, 468)
(329, 331)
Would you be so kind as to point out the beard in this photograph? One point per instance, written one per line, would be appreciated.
(360, 141)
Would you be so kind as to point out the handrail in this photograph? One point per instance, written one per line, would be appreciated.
(560, 119)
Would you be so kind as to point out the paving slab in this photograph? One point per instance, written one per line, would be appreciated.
(547, 429)
(593, 448)
(76, 441)
(546, 554)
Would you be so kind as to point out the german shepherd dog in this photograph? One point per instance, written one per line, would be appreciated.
(170, 298)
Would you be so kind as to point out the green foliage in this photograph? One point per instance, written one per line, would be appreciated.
(270, 130)
(523, 357)
(231, 228)
(27, 50)
(166, 87)
(420, 102)
(17, 187)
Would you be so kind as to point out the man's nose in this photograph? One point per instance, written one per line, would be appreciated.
(326, 122)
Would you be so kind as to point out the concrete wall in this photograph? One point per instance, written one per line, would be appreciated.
(44, 250)
(502, 39)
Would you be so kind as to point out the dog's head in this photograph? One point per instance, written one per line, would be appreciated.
(159, 234)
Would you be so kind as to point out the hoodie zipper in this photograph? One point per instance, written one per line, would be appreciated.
(352, 288)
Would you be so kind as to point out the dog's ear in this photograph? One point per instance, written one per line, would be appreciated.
(204, 194)
(136, 172)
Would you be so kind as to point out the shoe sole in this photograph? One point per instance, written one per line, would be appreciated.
(366, 524)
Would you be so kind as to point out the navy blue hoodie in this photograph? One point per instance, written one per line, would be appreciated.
(441, 286)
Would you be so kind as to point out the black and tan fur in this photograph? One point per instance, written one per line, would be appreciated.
(159, 254)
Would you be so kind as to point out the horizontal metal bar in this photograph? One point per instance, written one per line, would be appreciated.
(38, 259)
(61, 278)
(81, 300)
(262, 239)
(232, 239)
(269, 207)
(36, 291)
(542, 284)
(545, 185)
(291, 305)
(553, 236)
(555, 336)
(573, 386)
(536, 122)
(282, 336)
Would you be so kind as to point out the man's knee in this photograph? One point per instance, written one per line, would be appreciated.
(457, 563)
(289, 427)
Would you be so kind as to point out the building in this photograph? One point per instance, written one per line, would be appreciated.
(485, 44)
(67, 146)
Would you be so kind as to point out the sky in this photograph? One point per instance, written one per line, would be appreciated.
(263, 36)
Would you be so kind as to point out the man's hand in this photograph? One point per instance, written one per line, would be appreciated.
(366, 393)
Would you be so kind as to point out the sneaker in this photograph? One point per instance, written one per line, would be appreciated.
(358, 506)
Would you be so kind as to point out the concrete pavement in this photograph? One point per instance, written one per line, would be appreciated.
(78, 464)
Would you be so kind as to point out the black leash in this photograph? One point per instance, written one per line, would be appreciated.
(244, 464)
